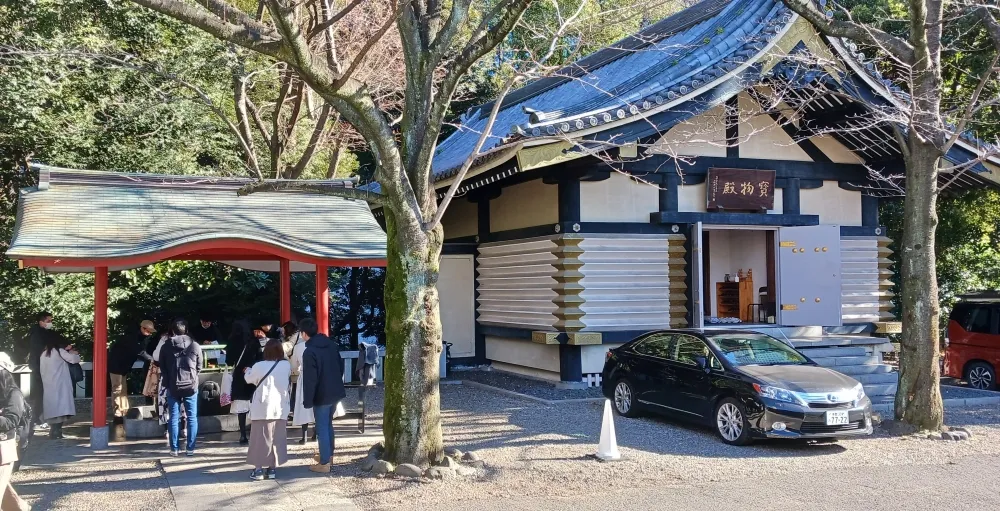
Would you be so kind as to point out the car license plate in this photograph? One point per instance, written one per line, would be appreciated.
(836, 418)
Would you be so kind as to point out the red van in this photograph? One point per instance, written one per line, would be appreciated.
(972, 351)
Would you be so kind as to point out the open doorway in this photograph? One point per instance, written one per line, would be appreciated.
(739, 275)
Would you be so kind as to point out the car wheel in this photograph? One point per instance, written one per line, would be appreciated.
(625, 399)
(731, 422)
(981, 375)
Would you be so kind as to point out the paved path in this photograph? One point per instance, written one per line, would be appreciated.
(66, 474)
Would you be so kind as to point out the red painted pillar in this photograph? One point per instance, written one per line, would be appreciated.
(100, 403)
(322, 300)
(285, 290)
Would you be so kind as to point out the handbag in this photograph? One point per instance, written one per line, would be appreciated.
(151, 387)
(75, 370)
(226, 396)
(8, 450)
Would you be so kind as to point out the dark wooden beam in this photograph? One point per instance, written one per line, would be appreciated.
(733, 127)
(790, 197)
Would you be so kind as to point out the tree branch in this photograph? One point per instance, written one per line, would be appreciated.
(314, 141)
(899, 48)
(363, 53)
(254, 36)
(332, 20)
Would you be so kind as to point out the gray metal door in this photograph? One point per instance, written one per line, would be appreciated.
(809, 276)
(697, 278)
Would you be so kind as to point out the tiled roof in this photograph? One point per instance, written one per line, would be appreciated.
(664, 63)
(96, 215)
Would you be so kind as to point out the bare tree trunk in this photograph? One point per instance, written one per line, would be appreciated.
(412, 422)
(918, 399)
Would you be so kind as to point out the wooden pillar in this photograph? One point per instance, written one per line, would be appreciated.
(99, 409)
(285, 290)
(322, 300)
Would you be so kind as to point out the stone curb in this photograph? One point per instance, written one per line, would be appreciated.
(592, 400)
(948, 403)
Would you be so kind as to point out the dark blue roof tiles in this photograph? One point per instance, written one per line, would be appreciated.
(648, 75)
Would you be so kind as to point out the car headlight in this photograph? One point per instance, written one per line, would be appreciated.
(860, 392)
(777, 394)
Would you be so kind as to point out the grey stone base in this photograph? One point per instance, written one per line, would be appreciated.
(218, 423)
(143, 428)
(151, 428)
(572, 385)
(99, 438)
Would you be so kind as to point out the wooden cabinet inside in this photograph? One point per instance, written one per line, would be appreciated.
(733, 299)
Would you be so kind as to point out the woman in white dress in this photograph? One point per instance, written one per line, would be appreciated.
(301, 416)
(57, 400)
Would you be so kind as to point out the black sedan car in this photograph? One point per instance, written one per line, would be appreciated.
(746, 385)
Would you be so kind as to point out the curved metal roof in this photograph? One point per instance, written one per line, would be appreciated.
(76, 220)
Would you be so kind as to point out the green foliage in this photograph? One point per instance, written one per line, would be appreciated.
(967, 244)
(62, 106)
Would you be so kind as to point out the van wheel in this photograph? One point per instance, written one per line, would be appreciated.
(981, 375)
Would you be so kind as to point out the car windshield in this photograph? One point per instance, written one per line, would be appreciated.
(756, 349)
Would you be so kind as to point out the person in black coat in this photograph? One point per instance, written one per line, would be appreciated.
(14, 423)
(121, 358)
(322, 386)
(245, 349)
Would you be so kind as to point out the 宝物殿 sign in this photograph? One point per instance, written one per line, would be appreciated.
(740, 189)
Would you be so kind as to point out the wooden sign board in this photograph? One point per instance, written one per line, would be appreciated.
(740, 189)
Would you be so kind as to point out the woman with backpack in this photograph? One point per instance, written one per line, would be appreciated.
(15, 427)
(268, 411)
(57, 398)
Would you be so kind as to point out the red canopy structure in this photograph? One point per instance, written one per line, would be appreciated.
(87, 221)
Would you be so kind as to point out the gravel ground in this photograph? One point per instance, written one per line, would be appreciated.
(954, 392)
(531, 387)
(533, 450)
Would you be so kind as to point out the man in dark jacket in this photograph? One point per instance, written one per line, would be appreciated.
(180, 363)
(322, 386)
(121, 358)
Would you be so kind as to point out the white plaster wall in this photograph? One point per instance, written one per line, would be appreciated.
(837, 152)
(702, 135)
(457, 294)
(732, 250)
(524, 205)
(761, 137)
(524, 357)
(779, 206)
(833, 204)
(460, 219)
(691, 198)
(617, 199)
(592, 357)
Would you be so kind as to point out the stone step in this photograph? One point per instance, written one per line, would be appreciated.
(834, 362)
(849, 351)
(856, 370)
(881, 389)
(876, 378)
(836, 340)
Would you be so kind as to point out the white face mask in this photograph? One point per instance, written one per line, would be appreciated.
(47, 325)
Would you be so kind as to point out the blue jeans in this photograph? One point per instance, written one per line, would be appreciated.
(191, 409)
(324, 432)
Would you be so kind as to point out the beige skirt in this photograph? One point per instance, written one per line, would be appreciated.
(268, 443)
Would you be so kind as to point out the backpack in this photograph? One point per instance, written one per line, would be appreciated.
(184, 380)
